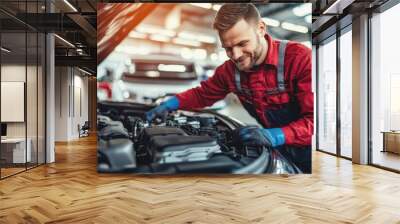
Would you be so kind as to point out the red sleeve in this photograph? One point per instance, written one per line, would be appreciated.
(299, 132)
(210, 91)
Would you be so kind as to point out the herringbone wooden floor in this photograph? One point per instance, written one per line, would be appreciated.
(71, 191)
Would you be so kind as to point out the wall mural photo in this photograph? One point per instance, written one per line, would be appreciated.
(204, 88)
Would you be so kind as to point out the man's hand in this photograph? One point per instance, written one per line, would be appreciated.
(169, 105)
(255, 136)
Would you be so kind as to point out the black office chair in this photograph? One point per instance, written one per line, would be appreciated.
(84, 130)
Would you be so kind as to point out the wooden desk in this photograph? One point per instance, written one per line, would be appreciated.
(13, 150)
(391, 141)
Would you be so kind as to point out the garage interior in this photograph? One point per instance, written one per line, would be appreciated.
(50, 47)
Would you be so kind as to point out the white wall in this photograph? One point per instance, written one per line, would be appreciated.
(71, 94)
(61, 103)
(14, 73)
(33, 127)
(80, 109)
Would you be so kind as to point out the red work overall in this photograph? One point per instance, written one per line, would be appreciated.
(277, 93)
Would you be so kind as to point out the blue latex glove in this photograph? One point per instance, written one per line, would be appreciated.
(255, 136)
(169, 105)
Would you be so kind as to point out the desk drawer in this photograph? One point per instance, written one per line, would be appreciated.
(6, 154)
(392, 142)
(15, 152)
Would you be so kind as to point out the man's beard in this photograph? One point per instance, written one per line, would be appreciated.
(253, 57)
(257, 53)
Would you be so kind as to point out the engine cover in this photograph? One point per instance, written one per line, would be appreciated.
(156, 131)
(174, 149)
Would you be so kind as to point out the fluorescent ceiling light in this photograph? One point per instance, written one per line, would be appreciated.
(70, 5)
(127, 49)
(84, 71)
(308, 19)
(64, 40)
(152, 74)
(171, 68)
(80, 51)
(302, 10)
(294, 27)
(158, 37)
(197, 37)
(187, 35)
(206, 39)
(5, 50)
(202, 5)
(186, 42)
(155, 30)
(271, 22)
(138, 35)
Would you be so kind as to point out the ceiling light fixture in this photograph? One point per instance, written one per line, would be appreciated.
(84, 71)
(155, 30)
(171, 68)
(70, 5)
(197, 37)
(64, 40)
(302, 10)
(294, 27)
(160, 38)
(186, 42)
(137, 35)
(5, 50)
(79, 51)
(271, 22)
(207, 39)
(128, 49)
(308, 19)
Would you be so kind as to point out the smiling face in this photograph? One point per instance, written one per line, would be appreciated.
(244, 44)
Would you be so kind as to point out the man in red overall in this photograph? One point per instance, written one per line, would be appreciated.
(271, 78)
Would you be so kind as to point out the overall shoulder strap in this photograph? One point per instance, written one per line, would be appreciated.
(281, 66)
(237, 80)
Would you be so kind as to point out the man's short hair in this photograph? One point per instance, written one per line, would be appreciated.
(229, 14)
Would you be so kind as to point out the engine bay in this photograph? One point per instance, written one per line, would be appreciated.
(180, 142)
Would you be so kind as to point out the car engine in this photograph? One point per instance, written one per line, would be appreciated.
(179, 142)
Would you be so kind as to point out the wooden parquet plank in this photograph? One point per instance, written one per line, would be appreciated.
(71, 191)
